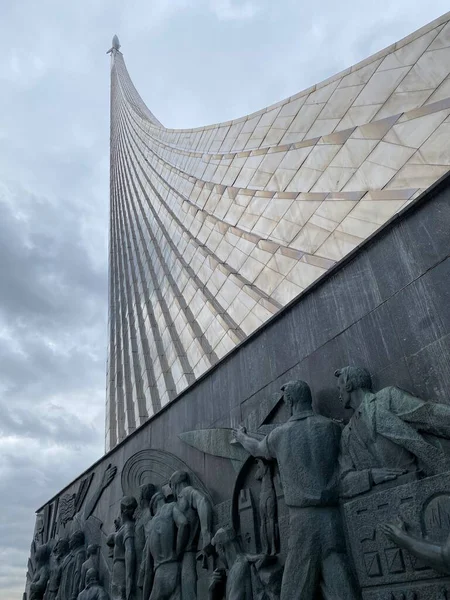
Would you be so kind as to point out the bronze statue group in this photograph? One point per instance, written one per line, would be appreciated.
(391, 435)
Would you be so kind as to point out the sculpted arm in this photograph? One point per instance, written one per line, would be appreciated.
(430, 417)
(41, 582)
(147, 566)
(258, 448)
(108, 476)
(204, 509)
(183, 530)
(130, 566)
(433, 554)
(354, 482)
(76, 583)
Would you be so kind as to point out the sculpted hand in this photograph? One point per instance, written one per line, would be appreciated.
(218, 575)
(382, 475)
(108, 476)
(217, 585)
(239, 433)
(393, 531)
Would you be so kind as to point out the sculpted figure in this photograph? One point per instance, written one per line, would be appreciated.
(306, 449)
(146, 493)
(77, 558)
(124, 556)
(197, 509)
(167, 536)
(238, 570)
(42, 574)
(388, 434)
(433, 554)
(93, 590)
(267, 508)
(92, 562)
(60, 552)
(236, 581)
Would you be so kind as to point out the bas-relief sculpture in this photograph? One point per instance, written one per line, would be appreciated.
(92, 562)
(124, 556)
(298, 477)
(93, 590)
(431, 553)
(42, 574)
(268, 508)
(392, 446)
(306, 449)
(146, 492)
(196, 508)
(60, 553)
(390, 434)
(167, 536)
(244, 577)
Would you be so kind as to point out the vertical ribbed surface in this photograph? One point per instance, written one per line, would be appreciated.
(214, 229)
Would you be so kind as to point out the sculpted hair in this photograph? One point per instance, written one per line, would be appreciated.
(357, 376)
(146, 491)
(42, 553)
(223, 536)
(77, 537)
(62, 546)
(299, 392)
(128, 504)
(91, 575)
(179, 477)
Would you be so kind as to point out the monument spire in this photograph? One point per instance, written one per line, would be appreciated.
(215, 229)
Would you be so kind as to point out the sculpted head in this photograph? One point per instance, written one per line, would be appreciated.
(297, 395)
(146, 493)
(92, 549)
(128, 505)
(42, 555)
(110, 541)
(351, 379)
(157, 500)
(178, 481)
(224, 539)
(91, 577)
(76, 540)
(61, 548)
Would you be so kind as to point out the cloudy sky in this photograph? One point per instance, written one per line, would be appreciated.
(195, 62)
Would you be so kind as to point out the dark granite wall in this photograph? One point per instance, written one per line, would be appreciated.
(385, 307)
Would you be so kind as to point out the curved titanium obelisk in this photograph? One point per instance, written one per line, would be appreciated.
(214, 229)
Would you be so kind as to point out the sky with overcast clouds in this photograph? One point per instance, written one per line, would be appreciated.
(194, 62)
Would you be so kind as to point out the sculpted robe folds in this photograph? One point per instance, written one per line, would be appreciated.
(393, 429)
